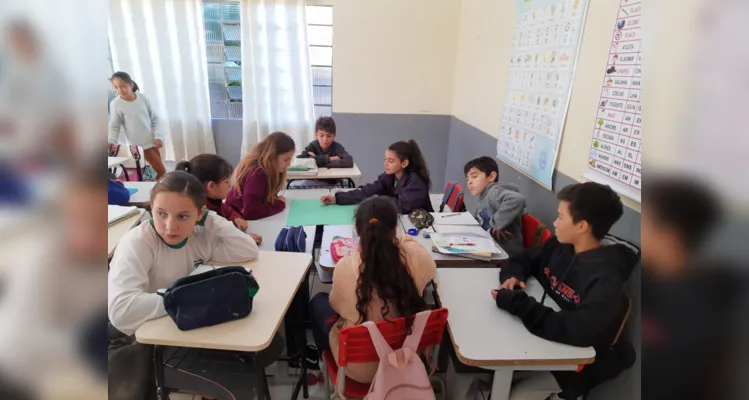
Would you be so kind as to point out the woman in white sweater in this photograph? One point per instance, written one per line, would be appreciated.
(156, 253)
(131, 112)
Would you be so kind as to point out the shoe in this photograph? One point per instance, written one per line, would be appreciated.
(555, 396)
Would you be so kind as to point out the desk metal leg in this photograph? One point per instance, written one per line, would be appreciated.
(158, 365)
(502, 384)
(260, 375)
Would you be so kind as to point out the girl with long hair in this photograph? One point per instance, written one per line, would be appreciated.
(384, 280)
(260, 177)
(405, 181)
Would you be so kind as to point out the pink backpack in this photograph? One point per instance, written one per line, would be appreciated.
(341, 247)
(401, 373)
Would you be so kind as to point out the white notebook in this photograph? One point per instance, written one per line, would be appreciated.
(118, 213)
(464, 218)
(472, 229)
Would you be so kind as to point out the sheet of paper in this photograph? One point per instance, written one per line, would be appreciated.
(116, 213)
(474, 230)
(453, 243)
(309, 212)
(205, 268)
(464, 218)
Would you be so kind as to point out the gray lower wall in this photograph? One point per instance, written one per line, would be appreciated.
(227, 134)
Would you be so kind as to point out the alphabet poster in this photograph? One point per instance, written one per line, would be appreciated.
(615, 156)
(542, 67)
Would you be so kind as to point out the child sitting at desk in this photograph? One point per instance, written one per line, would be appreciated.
(325, 150)
(500, 207)
(405, 181)
(215, 173)
(584, 277)
(156, 253)
(260, 176)
(385, 279)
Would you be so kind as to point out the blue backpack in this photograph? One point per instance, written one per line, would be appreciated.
(292, 240)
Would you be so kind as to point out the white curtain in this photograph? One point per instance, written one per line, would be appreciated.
(161, 44)
(276, 82)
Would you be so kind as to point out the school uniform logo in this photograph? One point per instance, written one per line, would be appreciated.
(561, 288)
(484, 220)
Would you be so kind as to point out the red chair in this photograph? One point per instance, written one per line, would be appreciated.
(453, 197)
(355, 346)
(534, 231)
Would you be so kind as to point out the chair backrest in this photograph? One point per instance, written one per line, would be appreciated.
(534, 231)
(627, 310)
(453, 197)
(355, 344)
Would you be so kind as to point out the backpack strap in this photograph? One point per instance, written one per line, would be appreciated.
(379, 342)
(417, 329)
(448, 193)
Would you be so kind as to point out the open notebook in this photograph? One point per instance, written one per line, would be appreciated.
(116, 214)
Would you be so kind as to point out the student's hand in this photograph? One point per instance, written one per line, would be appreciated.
(157, 144)
(111, 147)
(335, 158)
(240, 223)
(511, 283)
(257, 238)
(509, 300)
(328, 199)
(282, 198)
(501, 234)
(311, 154)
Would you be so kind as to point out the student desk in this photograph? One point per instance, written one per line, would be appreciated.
(487, 337)
(118, 230)
(446, 260)
(279, 276)
(347, 174)
(142, 197)
(326, 259)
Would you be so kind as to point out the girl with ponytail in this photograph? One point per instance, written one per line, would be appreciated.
(384, 280)
(405, 181)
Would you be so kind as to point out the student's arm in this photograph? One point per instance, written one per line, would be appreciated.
(509, 206)
(117, 193)
(321, 160)
(254, 206)
(346, 161)
(130, 305)
(230, 245)
(579, 327)
(155, 122)
(115, 124)
(307, 150)
(525, 264)
(377, 187)
(343, 293)
(229, 212)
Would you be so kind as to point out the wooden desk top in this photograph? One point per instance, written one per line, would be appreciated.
(118, 230)
(330, 173)
(279, 276)
(486, 336)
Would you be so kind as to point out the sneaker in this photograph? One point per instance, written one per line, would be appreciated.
(555, 396)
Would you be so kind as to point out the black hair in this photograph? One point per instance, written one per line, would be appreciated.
(207, 168)
(184, 183)
(383, 270)
(325, 124)
(485, 164)
(409, 150)
(684, 205)
(126, 78)
(594, 203)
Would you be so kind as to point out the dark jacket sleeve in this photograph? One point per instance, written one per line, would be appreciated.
(526, 263)
(378, 187)
(582, 326)
(254, 191)
(117, 193)
(321, 160)
(346, 161)
(411, 195)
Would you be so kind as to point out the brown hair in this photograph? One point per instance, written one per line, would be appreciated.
(263, 154)
(207, 168)
(183, 183)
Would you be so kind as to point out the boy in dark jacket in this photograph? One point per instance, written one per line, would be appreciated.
(325, 150)
(500, 207)
(582, 270)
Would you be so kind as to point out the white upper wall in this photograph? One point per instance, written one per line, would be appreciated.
(394, 56)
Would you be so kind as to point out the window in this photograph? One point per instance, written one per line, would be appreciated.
(223, 37)
(320, 36)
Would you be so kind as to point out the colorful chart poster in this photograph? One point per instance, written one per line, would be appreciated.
(615, 155)
(542, 67)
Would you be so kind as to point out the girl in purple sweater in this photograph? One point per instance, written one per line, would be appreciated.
(260, 176)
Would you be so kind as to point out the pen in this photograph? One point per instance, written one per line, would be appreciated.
(451, 215)
(462, 244)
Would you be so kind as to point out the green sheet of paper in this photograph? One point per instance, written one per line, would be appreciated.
(308, 212)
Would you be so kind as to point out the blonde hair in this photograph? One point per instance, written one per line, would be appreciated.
(264, 154)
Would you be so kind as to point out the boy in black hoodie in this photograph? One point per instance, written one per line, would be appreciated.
(582, 270)
(325, 150)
